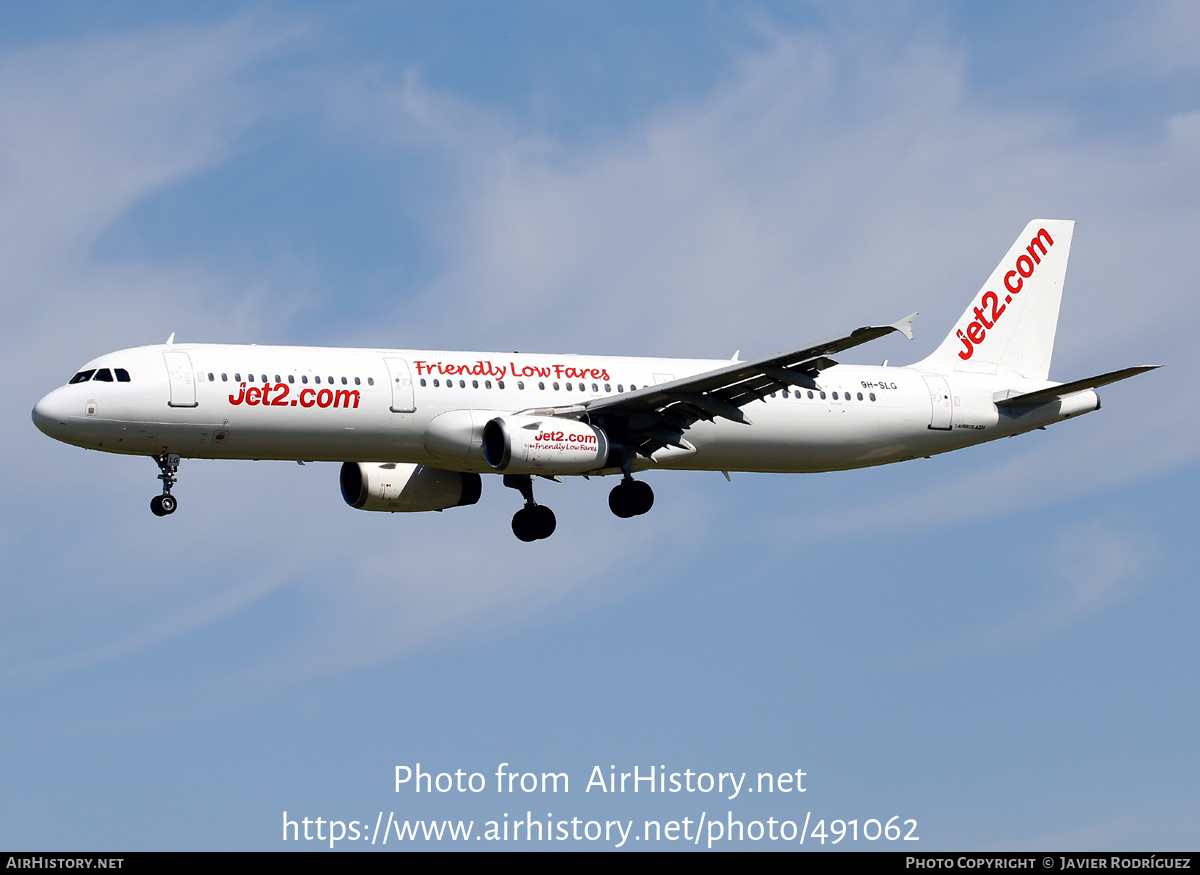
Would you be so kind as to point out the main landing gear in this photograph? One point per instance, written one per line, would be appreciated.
(630, 498)
(534, 521)
(168, 464)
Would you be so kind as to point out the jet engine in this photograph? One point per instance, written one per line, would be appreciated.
(401, 487)
(522, 444)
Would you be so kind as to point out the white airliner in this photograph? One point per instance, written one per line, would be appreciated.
(415, 429)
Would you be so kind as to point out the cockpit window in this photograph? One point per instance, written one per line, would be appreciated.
(104, 375)
(82, 376)
(122, 375)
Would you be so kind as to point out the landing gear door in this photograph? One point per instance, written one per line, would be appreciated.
(939, 397)
(402, 385)
(183, 381)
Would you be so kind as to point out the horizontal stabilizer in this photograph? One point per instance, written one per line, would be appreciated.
(1056, 393)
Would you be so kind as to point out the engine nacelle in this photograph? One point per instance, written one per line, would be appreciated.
(456, 436)
(522, 444)
(401, 487)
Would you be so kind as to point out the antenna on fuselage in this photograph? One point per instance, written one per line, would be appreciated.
(171, 339)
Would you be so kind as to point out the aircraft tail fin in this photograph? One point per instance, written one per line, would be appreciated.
(1009, 327)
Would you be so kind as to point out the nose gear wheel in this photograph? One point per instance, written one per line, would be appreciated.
(165, 504)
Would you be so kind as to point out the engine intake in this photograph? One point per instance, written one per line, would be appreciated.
(522, 444)
(402, 487)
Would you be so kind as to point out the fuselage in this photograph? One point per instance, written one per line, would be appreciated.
(428, 407)
(415, 429)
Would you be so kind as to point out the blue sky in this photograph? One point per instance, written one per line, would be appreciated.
(999, 643)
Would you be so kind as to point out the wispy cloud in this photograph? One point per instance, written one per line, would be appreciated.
(88, 128)
(1091, 566)
(826, 179)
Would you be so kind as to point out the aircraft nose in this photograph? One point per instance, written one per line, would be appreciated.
(50, 414)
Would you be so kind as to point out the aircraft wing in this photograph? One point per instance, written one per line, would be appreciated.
(656, 416)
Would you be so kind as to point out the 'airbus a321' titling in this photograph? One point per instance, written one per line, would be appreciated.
(414, 430)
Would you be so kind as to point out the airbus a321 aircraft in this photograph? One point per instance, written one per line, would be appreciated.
(415, 429)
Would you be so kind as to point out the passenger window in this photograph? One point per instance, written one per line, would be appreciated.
(343, 381)
(500, 384)
(487, 384)
(772, 394)
(358, 382)
(331, 381)
(304, 378)
(211, 378)
(224, 378)
(568, 387)
(462, 384)
(520, 384)
(595, 388)
(436, 384)
(104, 375)
(316, 379)
(370, 381)
(822, 396)
(872, 396)
(620, 388)
(474, 384)
(422, 381)
(632, 388)
(265, 380)
(542, 386)
(607, 387)
(860, 396)
(237, 378)
(277, 380)
(810, 393)
(556, 387)
(249, 378)
(291, 378)
(835, 397)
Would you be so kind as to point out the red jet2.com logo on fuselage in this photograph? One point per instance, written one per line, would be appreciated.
(987, 316)
(308, 397)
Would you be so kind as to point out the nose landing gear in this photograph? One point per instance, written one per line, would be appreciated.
(534, 521)
(168, 464)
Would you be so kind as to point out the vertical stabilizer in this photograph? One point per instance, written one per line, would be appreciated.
(1009, 327)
